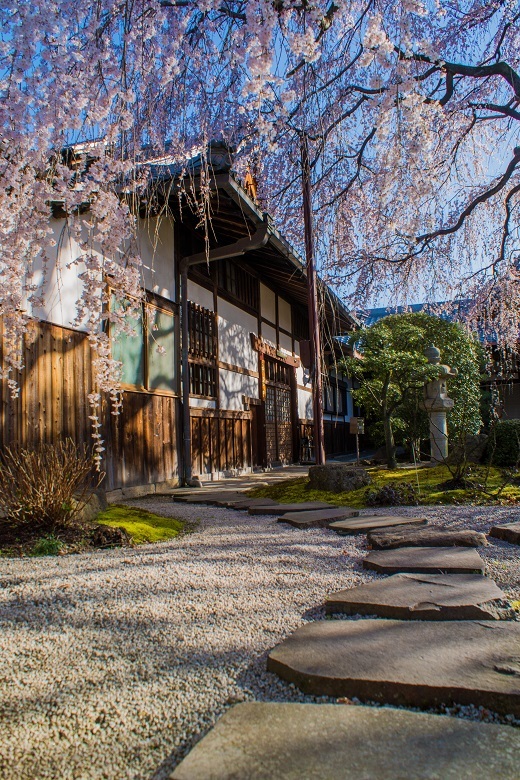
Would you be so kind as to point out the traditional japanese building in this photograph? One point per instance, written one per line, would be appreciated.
(239, 306)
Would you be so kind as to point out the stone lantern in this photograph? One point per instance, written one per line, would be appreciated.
(437, 403)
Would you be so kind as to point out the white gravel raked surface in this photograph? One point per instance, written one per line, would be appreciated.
(113, 663)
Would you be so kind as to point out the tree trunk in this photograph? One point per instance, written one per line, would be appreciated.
(389, 442)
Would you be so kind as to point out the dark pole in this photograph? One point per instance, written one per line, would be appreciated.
(314, 325)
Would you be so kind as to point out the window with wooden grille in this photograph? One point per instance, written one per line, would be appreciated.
(202, 332)
(277, 372)
(202, 351)
(300, 320)
(334, 399)
(239, 283)
(203, 380)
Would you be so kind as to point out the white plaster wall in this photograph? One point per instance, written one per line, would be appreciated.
(286, 343)
(200, 295)
(303, 377)
(267, 303)
(156, 247)
(202, 403)
(269, 334)
(305, 410)
(234, 339)
(284, 314)
(60, 287)
(233, 386)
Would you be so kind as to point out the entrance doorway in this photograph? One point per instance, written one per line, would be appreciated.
(278, 413)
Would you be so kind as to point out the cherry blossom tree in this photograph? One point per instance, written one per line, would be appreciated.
(410, 110)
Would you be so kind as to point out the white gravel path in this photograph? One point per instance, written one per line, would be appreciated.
(113, 663)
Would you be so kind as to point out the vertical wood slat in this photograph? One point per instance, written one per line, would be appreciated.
(215, 445)
(205, 446)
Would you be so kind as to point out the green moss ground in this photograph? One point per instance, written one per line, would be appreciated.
(296, 490)
(144, 527)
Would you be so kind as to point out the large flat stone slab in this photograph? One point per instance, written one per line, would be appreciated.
(368, 522)
(209, 497)
(282, 509)
(246, 503)
(382, 539)
(508, 533)
(259, 741)
(415, 663)
(422, 597)
(426, 560)
(317, 518)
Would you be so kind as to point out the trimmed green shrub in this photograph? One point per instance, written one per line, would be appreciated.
(503, 447)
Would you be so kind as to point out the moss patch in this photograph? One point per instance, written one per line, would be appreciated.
(430, 488)
(144, 527)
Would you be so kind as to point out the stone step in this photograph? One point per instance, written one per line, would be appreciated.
(422, 597)
(426, 560)
(414, 663)
(424, 537)
(281, 509)
(246, 503)
(369, 522)
(317, 518)
(270, 741)
(210, 498)
(509, 532)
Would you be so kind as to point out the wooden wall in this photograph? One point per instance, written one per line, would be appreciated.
(220, 440)
(338, 439)
(141, 442)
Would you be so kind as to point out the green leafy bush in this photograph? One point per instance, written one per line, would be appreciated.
(47, 545)
(503, 447)
(393, 494)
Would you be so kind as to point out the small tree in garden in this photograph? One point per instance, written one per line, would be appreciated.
(392, 371)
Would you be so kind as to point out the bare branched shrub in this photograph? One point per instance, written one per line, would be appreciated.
(46, 486)
(394, 494)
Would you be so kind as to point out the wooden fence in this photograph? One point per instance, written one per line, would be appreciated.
(220, 441)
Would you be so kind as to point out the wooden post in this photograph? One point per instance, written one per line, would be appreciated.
(314, 325)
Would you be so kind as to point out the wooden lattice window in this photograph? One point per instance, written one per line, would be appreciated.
(202, 351)
(203, 380)
(300, 320)
(239, 283)
(276, 372)
(202, 332)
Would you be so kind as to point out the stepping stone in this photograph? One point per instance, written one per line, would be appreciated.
(422, 597)
(212, 499)
(281, 509)
(369, 522)
(424, 537)
(415, 663)
(508, 533)
(426, 560)
(262, 741)
(246, 503)
(317, 518)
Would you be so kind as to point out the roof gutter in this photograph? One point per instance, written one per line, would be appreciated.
(240, 247)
